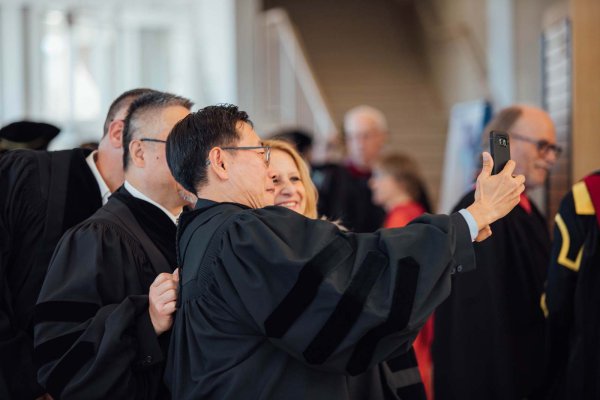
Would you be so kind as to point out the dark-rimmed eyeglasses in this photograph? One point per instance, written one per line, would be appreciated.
(543, 146)
(266, 154)
(144, 139)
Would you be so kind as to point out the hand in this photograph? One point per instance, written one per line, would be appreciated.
(163, 298)
(44, 397)
(495, 195)
(483, 234)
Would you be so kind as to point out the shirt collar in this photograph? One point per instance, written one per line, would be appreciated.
(104, 190)
(136, 193)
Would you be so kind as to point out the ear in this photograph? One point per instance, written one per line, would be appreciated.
(115, 133)
(136, 153)
(218, 163)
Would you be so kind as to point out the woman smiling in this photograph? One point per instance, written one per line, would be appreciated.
(293, 187)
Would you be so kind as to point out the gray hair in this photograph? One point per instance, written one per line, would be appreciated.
(364, 110)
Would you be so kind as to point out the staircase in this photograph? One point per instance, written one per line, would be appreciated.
(367, 52)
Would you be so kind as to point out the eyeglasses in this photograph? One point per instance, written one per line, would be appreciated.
(152, 140)
(266, 154)
(543, 146)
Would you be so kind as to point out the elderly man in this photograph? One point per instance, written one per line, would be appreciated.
(103, 314)
(42, 194)
(344, 192)
(278, 306)
(489, 334)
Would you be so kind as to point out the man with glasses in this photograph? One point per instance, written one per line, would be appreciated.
(489, 334)
(274, 305)
(106, 305)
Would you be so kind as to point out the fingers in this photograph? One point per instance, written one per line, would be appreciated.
(520, 179)
(169, 308)
(164, 287)
(164, 282)
(167, 296)
(160, 279)
(488, 164)
(509, 168)
(517, 192)
(483, 234)
(162, 299)
(164, 290)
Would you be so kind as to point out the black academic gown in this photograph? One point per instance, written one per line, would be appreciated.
(573, 301)
(278, 306)
(93, 334)
(42, 194)
(345, 195)
(489, 334)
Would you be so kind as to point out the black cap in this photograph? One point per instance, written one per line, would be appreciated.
(27, 134)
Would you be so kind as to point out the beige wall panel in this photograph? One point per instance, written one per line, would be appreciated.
(586, 86)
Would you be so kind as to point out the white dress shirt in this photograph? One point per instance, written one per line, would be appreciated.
(104, 190)
(136, 193)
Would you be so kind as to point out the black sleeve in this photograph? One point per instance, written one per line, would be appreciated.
(339, 301)
(93, 336)
(561, 284)
(21, 219)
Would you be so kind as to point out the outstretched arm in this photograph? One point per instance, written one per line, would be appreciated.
(336, 301)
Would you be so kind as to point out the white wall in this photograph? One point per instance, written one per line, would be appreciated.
(189, 47)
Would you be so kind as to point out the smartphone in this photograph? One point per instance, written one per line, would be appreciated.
(499, 149)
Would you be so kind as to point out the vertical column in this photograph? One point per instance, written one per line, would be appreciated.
(101, 58)
(12, 100)
(129, 56)
(218, 39)
(586, 86)
(34, 71)
(287, 83)
(500, 61)
(245, 24)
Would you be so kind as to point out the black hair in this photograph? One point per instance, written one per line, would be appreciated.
(121, 102)
(154, 101)
(193, 137)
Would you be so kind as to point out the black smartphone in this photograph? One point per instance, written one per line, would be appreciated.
(499, 149)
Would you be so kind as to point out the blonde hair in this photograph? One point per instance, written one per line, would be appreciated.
(310, 210)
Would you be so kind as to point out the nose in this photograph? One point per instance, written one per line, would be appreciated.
(551, 157)
(270, 176)
(287, 188)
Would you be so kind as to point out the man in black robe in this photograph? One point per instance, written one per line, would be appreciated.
(102, 313)
(572, 295)
(489, 334)
(344, 193)
(278, 306)
(42, 194)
